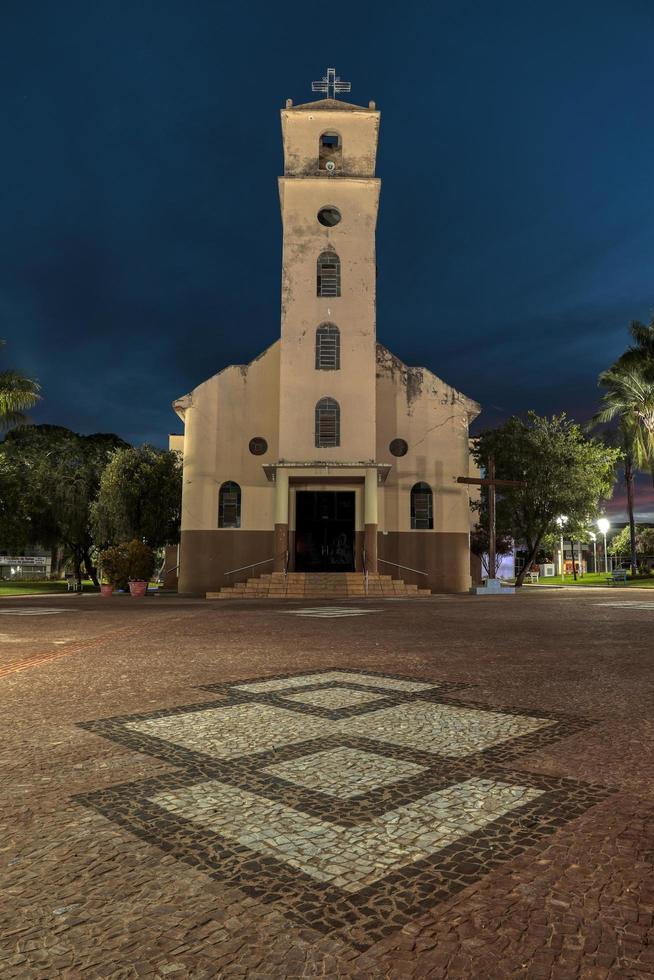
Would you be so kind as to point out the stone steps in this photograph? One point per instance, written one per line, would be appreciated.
(319, 585)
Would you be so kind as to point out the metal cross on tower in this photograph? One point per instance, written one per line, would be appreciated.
(331, 84)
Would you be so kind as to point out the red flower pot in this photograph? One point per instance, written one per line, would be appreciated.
(138, 588)
(106, 590)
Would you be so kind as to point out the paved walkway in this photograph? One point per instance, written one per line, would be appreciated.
(459, 787)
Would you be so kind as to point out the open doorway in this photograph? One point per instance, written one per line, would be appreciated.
(324, 535)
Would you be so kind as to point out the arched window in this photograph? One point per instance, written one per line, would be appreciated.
(328, 347)
(329, 274)
(422, 508)
(229, 505)
(330, 150)
(328, 423)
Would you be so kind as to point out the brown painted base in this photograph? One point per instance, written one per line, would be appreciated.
(281, 547)
(205, 556)
(370, 543)
(443, 555)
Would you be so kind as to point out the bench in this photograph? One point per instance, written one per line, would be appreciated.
(617, 577)
(532, 578)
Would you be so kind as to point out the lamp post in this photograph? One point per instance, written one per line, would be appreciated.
(562, 521)
(604, 525)
(593, 538)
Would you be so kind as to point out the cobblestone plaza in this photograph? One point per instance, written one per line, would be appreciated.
(453, 790)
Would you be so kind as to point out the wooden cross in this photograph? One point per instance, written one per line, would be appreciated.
(331, 84)
(491, 482)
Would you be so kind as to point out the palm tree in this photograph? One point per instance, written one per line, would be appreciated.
(640, 354)
(629, 398)
(17, 394)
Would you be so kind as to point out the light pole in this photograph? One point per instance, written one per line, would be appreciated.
(562, 521)
(604, 525)
(593, 538)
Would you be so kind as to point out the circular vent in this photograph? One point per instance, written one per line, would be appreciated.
(329, 217)
(258, 446)
(399, 447)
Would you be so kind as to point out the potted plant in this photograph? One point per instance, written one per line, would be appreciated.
(115, 572)
(140, 566)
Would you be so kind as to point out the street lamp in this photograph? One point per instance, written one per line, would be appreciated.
(604, 525)
(593, 538)
(562, 521)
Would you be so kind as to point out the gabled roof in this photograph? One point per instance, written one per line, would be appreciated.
(322, 104)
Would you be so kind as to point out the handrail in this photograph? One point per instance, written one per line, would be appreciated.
(396, 564)
(255, 564)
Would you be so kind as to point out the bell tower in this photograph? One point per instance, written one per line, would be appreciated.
(329, 199)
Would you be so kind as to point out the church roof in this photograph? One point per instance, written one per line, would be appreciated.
(330, 104)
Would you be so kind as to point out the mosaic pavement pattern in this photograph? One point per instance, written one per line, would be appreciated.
(351, 800)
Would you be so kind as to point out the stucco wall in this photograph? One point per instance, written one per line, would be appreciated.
(353, 312)
(432, 417)
(221, 416)
(302, 127)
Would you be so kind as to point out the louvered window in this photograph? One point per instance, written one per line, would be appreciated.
(328, 423)
(329, 274)
(422, 511)
(328, 347)
(229, 505)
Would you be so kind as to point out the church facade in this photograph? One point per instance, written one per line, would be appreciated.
(326, 452)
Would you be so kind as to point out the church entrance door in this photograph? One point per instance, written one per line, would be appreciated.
(324, 535)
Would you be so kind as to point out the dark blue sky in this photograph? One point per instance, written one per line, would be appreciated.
(140, 242)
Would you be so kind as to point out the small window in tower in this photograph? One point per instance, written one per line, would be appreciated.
(422, 512)
(329, 274)
(229, 505)
(330, 151)
(329, 217)
(328, 347)
(328, 423)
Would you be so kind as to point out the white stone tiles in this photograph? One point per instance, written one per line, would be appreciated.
(349, 857)
(230, 732)
(334, 676)
(440, 728)
(344, 772)
(333, 698)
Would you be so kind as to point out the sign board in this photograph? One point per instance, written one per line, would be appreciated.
(23, 560)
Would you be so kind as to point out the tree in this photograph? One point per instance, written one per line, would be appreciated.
(480, 545)
(620, 542)
(640, 354)
(629, 399)
(567, 473)
(17, 395)
(56, 478)
(140, 496)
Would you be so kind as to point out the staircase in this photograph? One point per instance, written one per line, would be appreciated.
(319, 585)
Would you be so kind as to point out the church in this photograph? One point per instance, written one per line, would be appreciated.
(326, 453)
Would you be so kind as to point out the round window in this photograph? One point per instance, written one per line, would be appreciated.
(399, 447)
(329, 216)
(258, 446)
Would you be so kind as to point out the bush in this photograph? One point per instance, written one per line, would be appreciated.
(114, 565)
(124, 563)
(140, 560)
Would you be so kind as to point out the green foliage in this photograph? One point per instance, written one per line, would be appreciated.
(140, 496)
(620, 542)
(17, 394)
(127, 562)
(52, 476)
(480, 543)
(629, 399)
(567, 473)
